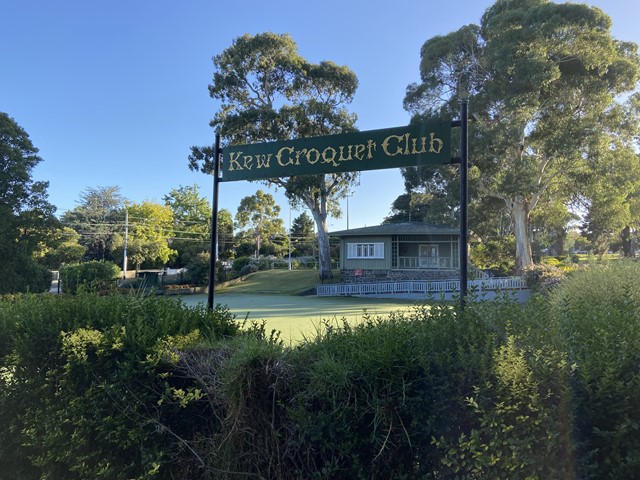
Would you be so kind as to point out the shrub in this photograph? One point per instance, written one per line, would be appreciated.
(543, 278)
(198, 269)
(87, 390)
(247, 269)
(93, 276)
(598, 315)
(24, 275)
(240, 262)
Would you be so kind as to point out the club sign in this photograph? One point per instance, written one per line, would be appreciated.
(427, 143)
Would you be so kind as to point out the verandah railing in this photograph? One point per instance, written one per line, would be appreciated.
(419, 286)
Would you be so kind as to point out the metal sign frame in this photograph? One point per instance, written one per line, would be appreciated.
(418, 144)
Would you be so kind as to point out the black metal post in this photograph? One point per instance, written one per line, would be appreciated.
(464, 162)
(214, 223)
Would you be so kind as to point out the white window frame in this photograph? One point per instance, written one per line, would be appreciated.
(366, 251)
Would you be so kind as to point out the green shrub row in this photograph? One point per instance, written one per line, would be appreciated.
(85, 389)
(93, 275)
(110, 387)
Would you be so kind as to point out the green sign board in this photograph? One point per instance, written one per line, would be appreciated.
(426, 143)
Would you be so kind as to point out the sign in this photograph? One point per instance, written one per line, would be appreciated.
(427, 143)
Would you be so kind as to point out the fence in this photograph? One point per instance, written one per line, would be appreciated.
(419, 286)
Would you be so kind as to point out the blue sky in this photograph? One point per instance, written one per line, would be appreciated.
(115, 93)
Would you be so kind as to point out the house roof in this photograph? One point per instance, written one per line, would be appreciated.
(408, 228)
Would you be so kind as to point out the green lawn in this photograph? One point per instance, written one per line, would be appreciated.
(297, 317)
(281, 282)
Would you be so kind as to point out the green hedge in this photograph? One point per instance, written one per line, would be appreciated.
(109, 387)
(93, 275)
(86, 389)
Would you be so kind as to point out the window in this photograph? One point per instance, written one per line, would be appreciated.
(365, 250)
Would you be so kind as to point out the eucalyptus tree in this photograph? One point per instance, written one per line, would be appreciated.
(268, 91)
(543, 80)
(260, 216)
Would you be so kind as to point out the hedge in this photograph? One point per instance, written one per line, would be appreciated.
(102, 387)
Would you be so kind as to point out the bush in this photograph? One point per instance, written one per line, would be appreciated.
(24, 275)
(93, 276)
(198, 269)
(598, 315)
(240, 262)
(87, 388)
(543, 278)
(247, 269)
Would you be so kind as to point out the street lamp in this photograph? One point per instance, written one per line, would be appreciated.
(348, 195)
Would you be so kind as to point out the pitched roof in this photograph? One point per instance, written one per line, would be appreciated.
(408, 228)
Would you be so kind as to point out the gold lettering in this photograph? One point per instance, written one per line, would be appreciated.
(371, 145)
(287, 160)
(432, 148)
(342, 158)
(360, 148)
(329, 159)
(248, 160)
(385, 145)
(263, 160)
(233, 162)
(300, 153)
(316, 153)
(423, 148)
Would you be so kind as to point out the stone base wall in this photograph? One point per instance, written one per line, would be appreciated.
(374, 276)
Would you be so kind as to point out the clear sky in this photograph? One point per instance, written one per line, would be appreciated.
(115, 93)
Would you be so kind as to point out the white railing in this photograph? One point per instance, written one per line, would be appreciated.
(424, 263)
(419, 286)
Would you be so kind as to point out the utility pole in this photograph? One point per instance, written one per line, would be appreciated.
(126, 237)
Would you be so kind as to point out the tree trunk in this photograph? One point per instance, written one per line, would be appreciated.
(519, 210)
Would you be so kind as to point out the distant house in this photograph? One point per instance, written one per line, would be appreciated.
(398, 251)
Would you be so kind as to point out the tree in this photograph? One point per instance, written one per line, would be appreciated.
(191, 223)
(27, 218)
(150, 227)
(99, 219)
(302, 234)
(269, 92)
(64, 248)
(543, 79)
(259, 215)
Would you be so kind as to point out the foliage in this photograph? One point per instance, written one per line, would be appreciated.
(112, 387)
(198, 269)
(543, 80)
(269, 92)
(64, 247)
(495, 254)
(260, 216)
(192, 223)
(150, 227)
(302, 235)
(85, 387)
(27, 218)
(598, 315)
(99, 219)
(92, 276)
(543, 277)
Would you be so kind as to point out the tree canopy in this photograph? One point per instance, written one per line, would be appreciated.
(258, 215)
(26, 216)
(269, 92)
(99, 218)
(544, 81)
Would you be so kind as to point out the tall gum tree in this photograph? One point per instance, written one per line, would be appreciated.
(542, 79)
(268, 92)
